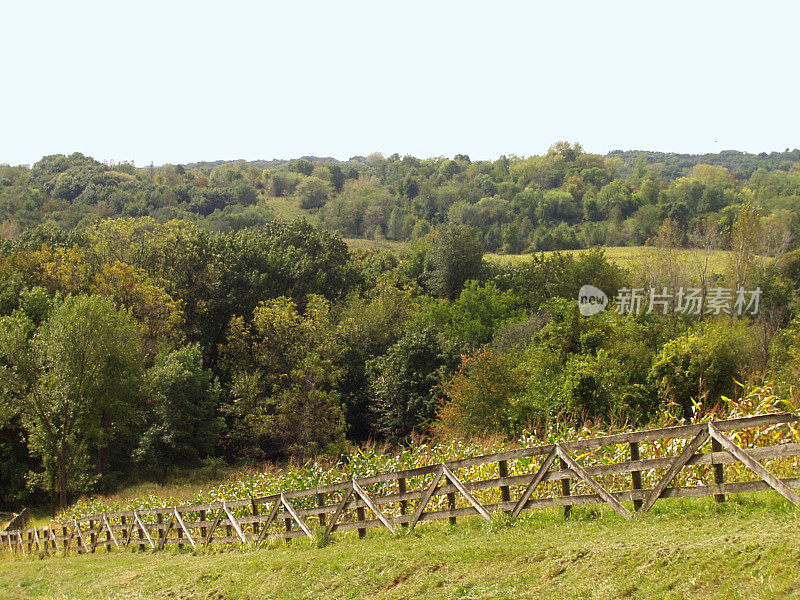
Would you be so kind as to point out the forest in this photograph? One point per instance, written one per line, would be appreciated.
(156, 318)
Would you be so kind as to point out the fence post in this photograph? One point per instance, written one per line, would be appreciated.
(255, 514)
(320, 504)
(126, 532)
(180, 535)
(636, 476)
(505, 491)
(65, 541)
(565, 491)
(92, 536)
(161, 532)
(288, 525)
(203, 529)
(108, 536)
(401, 487)
(141, 534)
(719, 473)
(451, 505)
(362, 532)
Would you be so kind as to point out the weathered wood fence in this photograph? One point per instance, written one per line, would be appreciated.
(526, 478)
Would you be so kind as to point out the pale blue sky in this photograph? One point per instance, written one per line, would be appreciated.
(185, 81)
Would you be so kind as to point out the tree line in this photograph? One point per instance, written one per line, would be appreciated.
(565, 199)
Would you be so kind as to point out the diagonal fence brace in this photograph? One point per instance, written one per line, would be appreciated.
(235, 525)
(425, 499)
(339, 510)
(291, 511)
(745, 458)
(265, 525)
(110, 531)
(592, 482)
(537, 479)
(76, 528)
(465, 492)
(179, 519)
(142, 529)
(165, 533)
(213, 528)
(372, 506)
(680, 461)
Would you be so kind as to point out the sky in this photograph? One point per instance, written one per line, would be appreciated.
(178, 82)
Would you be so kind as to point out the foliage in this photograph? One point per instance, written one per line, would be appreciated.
(282, 379)
(402, 382)
(455, 257)
(183, 398)
(261, 339)
(75, 382)
(477, 398)
(704, 363)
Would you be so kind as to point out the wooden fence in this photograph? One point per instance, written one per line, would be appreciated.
(527, 478)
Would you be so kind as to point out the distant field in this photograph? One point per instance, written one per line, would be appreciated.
(744, 549)
(360, 243)
(627, 256)
(288, 209)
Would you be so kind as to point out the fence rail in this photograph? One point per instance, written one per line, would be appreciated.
(527, 478)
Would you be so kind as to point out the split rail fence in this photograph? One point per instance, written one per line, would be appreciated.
(528, 478)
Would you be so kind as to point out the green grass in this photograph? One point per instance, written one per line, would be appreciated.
(629, 256)
(288, 209)
(398, 248)
(747, 548)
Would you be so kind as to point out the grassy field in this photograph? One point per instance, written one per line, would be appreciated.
(288, 209)
(747, 548)
(628, 256)
(360, 243)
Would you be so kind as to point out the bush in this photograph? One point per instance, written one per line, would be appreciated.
(477, 398)
(703, 364)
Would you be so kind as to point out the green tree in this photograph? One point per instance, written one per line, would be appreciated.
(302, 166)
(455, 257)
(313, 192)
(702, 365)
(479, 395)
(403, 384)
(282, 352)
(76, 383)
(309, 416)
(183, 398)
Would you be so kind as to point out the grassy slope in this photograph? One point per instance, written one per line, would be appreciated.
(288, 209)
(684, 549)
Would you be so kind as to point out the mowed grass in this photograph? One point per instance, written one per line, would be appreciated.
(632, 256)
(747, 548)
